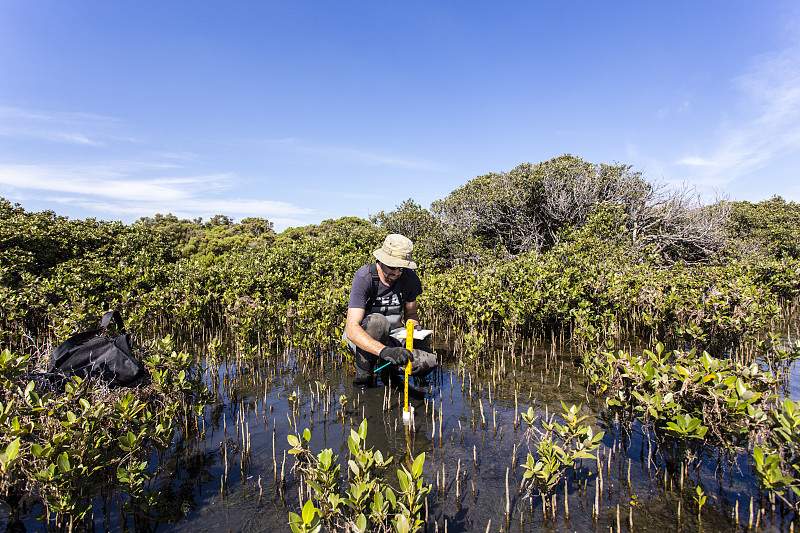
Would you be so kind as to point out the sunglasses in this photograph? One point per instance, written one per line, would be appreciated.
(396, 269)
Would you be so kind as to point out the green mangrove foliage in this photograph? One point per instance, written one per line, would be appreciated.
(563, 250)
(369, 503)
(594, 299)
(56, 272)
(598, 274)
(525, 209)
(528, 209)
(770, 227)
(294, 292)
(687, 396)
(432, 244)
(210, 241)
(777, 458)
(556, 448)
(64, 448)
(692, 399)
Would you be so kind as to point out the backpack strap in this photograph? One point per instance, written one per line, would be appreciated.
(373, 270)
(108, 316)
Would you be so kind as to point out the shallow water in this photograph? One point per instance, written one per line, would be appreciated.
(483, 449)
(465, 423)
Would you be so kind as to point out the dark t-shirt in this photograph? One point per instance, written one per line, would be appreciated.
(387, 301)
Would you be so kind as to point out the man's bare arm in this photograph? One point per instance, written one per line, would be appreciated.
(410, 312)
(356, 333)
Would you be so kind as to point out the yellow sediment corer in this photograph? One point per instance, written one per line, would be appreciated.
(410, 346)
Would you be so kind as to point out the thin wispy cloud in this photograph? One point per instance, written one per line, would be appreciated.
(64, 137)
(769, 127)
(153, 180)
(345, 194)
(181, 156)
(651, 167)
(84, 129)
(105, 181)
(683, 107)
(74, 138)
(283, 141)
(19, 113)
(353, 155)
(112, 190)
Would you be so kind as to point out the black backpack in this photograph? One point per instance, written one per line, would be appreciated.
(91, 354)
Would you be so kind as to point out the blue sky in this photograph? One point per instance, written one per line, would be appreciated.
(299, 111)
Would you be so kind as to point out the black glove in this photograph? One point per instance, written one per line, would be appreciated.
(396, 355)
(418, 327)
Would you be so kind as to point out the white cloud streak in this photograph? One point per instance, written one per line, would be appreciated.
(771, 129)
(111, 190)
(678, 109)
(153, 181)
(352, 155)
(82, 129)
(149, 183)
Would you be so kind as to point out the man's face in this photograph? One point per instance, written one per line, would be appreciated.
(391, 273)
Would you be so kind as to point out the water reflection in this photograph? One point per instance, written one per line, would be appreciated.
(474, 439)
(235, 475)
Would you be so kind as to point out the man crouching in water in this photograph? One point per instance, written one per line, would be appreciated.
(383, 298)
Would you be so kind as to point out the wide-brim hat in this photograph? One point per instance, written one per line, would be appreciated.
(396, 252)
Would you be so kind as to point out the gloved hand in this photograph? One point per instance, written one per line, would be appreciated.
(418, 327)
(396, 355)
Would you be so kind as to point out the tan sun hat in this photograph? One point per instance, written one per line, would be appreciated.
(396, 252)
